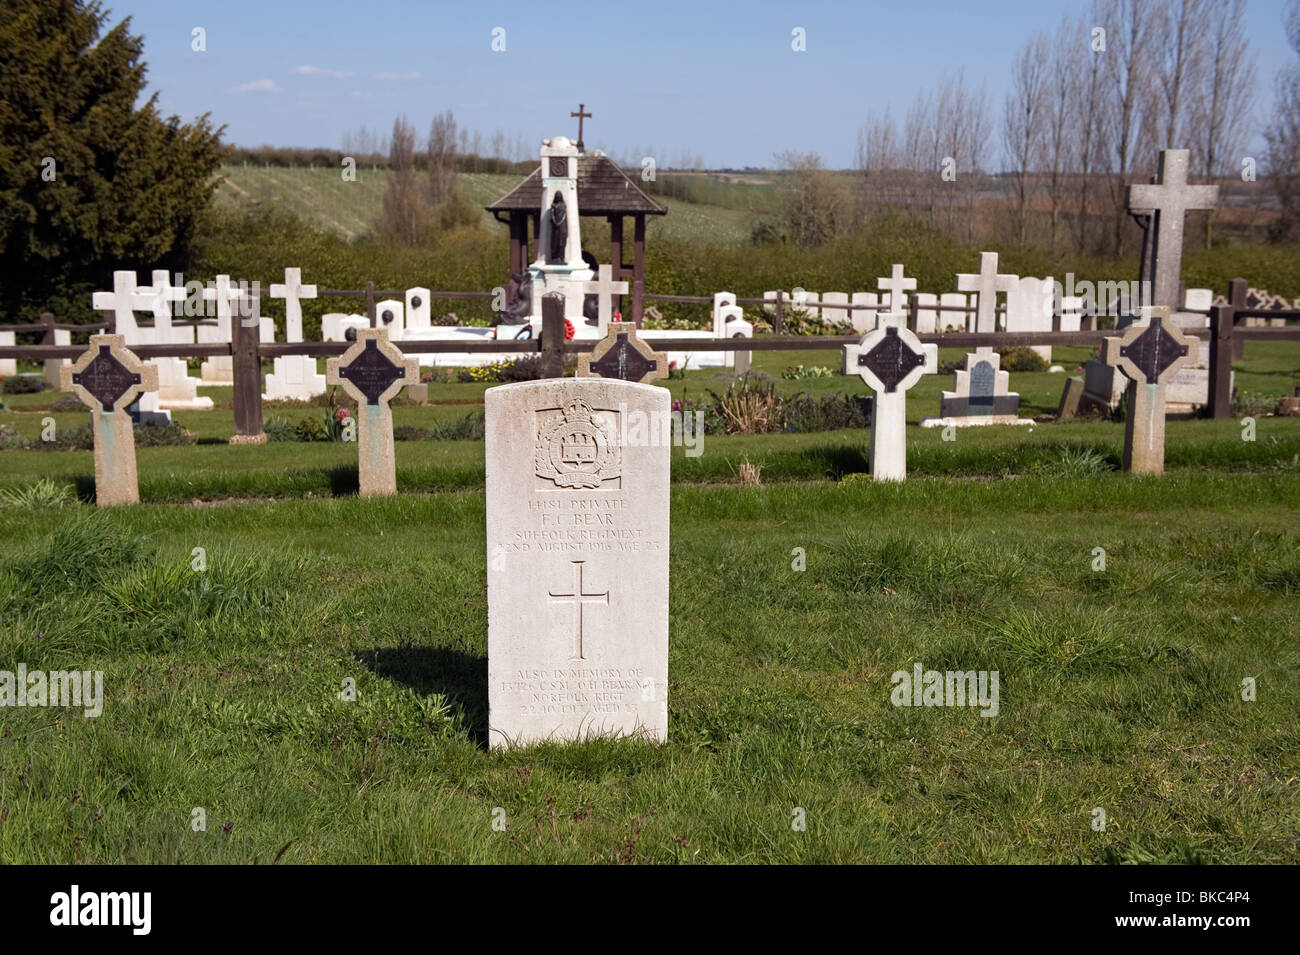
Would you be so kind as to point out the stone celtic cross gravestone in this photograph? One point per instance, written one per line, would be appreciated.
(891, 360)
(372, 371)
(108, 378)
(623, 355)
(1150, 352)
(1169, 201)
(577, 554)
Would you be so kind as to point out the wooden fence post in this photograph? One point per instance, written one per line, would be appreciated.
(370, 303)
(913, 312)
(247, 362)
(778, 316)
(1222, 347)
(552, 362)
(1237, 291)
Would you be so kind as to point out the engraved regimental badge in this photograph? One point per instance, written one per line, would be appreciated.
(579, 449)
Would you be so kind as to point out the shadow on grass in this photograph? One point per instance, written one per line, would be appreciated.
(85, 487)
(460, 677)
(344, 481)
(839, 460)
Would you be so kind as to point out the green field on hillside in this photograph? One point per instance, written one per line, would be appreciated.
(321, 198)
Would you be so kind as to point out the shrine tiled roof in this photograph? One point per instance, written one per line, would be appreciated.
(603, 189)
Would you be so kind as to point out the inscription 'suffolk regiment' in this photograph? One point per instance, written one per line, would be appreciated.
(579, 450)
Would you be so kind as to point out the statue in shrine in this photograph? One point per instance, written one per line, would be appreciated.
(518, 303)
(558, 220)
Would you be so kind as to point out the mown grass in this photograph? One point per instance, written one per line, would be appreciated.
(1119, 689)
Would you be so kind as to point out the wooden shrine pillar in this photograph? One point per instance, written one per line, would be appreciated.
(638, 268)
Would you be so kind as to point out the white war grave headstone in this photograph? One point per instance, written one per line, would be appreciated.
(577, 551)
(891, 359)
(107, 378)
(372, 371)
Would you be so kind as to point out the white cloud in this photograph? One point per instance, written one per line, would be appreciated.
(321, 71)
(397, 76)
(256, 86)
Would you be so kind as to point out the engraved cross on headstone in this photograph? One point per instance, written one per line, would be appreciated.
(891, 359)
(1149, 353)
(1169, 202)
(579, 598)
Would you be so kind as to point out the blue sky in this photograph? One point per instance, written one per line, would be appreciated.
(718, 80)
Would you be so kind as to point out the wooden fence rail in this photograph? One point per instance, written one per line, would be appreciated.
(1226, 334)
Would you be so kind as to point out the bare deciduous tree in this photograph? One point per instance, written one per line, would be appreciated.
(1060, 90)
(1023, 122)
(440, 155)
(1183, 27)
(403, 215)
(1283, 135)
(1132, 32)
(1223, 106)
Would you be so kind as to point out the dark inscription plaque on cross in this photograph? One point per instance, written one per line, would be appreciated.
(372, 373)
(1153, 351)
(891, 360)
(623, 355)
(624, 362)
(106, 378)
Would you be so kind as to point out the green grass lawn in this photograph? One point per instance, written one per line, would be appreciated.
(1120, 688)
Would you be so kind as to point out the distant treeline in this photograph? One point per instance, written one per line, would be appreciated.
(293, 157)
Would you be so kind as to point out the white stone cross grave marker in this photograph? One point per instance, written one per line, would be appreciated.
(891, 360)
(177, 390)
(896, 286)
(1168, 201)
(986, 284)
(293, 376)
(605, 288)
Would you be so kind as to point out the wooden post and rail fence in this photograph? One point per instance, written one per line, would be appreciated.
(1226, 335)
